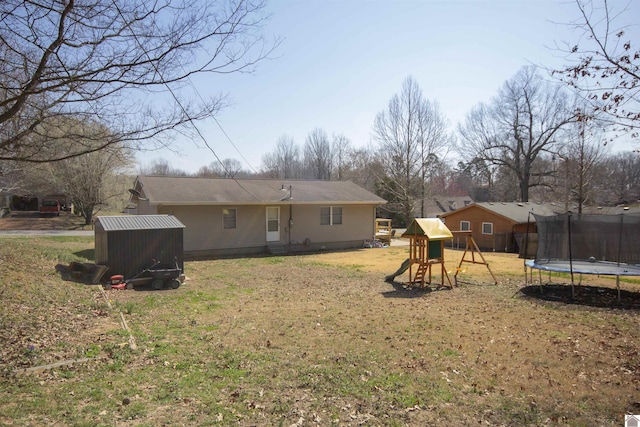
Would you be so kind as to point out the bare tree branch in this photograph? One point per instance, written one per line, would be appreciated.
(114, 63)
(525, 120)
(408, 132)
(604, 64)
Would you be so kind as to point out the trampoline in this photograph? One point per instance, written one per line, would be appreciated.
(607, 245)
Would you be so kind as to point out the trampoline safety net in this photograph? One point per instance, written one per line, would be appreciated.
(611, 238)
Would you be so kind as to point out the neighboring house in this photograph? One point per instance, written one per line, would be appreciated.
(496, 226)
(238, 216)
(437, 205)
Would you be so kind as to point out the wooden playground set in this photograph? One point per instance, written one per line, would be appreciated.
(427, 238)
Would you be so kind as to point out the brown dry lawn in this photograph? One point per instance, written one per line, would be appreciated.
(317, 339)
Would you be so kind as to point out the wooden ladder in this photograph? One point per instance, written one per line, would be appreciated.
(420, 273)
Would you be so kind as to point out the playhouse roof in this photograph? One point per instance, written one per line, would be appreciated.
(432, 228)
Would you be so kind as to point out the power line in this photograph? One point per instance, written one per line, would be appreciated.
(175, 98)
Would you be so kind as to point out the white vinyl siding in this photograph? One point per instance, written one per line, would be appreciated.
(204, 227)
(201, 234)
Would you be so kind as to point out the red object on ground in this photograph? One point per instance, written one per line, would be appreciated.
(50, 207)
(119, 286)
(117, 279)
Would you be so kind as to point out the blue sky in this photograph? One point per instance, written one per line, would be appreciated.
(340, 62)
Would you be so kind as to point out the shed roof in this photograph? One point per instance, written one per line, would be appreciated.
(210, 191)
(139, 222)
(432, 228)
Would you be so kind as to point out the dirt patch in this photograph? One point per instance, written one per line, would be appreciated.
(31, 220)
(591, 296)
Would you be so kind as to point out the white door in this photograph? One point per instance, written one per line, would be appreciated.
(273, 224)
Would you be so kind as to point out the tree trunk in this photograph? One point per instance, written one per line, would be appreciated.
(88, 215)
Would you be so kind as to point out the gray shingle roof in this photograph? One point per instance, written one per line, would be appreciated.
(519, 211)
(138, 222)
(612, 210)
(208, 191)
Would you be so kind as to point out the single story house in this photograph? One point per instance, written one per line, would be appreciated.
(224, 216)
(496, 226)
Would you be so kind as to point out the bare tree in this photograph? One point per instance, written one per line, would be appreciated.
(161, 167)
(434, 142)
(408, 132)
(11, 177)
(621, 181)
(284, 161)
(318, 157)
(364, 168)
(525, 120)
(90, 181)
(475, 177)
(114, 64)
(604, 64)
(341, 149)
(227, 168)
(206, 171)
(585, 154)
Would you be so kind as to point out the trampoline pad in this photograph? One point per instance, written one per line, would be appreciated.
(603, 268)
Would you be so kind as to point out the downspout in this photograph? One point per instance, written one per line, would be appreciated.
(290, 223)
(290, 216)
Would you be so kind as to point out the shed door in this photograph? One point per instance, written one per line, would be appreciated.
(273, 224)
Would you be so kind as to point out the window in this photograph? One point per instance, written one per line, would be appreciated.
(487, 228)
(336, 215)
(229, 217)
(465, 226)
(330, 215)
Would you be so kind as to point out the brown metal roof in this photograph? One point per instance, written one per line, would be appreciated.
(208, 191)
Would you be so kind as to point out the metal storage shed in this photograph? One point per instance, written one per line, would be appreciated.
(129, 244)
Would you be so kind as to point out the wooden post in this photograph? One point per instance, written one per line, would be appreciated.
(472, 248)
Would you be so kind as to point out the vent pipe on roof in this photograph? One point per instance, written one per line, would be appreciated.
(288, 196)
